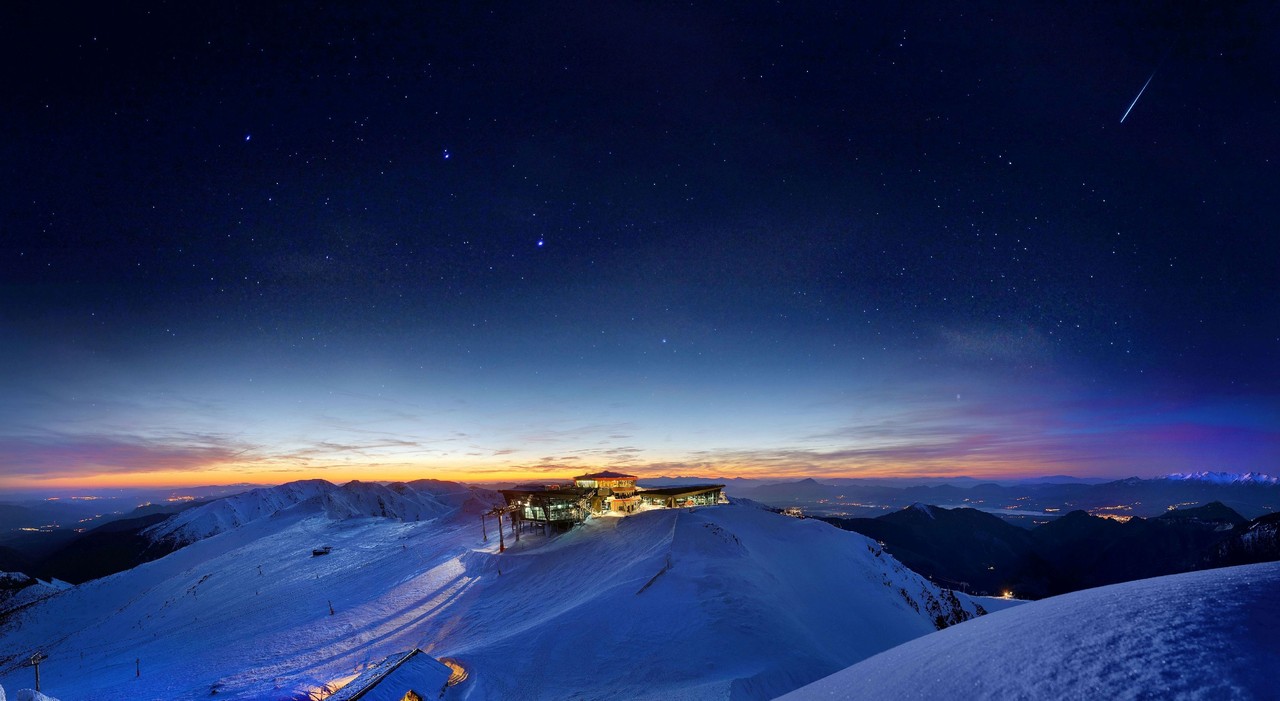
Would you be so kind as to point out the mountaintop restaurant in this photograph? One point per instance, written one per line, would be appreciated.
(548, 506)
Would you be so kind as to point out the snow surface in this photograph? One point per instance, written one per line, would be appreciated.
(26, 695)
(1201, 635)
(18, 590)
(721, 602)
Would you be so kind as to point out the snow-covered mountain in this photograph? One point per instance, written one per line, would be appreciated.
(725, 602)
(1225, 478)
(1201, 635)
(18, 590)
(421, 500)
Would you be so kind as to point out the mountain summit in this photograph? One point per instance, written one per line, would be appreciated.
(726, 602)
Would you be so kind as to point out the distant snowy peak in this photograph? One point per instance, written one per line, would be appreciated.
(417, 501)
(1225, 478)
(925, 509)
(234, 511)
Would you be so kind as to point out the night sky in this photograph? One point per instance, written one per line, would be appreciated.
(243, 242)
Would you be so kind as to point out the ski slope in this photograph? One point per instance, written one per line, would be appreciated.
(1202, 635)
(726, 602)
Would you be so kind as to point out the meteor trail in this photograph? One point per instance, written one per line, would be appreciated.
(1139, 97)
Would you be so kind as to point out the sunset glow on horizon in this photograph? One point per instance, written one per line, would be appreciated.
(695, 426)
(531, 241)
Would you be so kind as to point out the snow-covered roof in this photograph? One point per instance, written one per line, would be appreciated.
(390, 679)
(606, 475)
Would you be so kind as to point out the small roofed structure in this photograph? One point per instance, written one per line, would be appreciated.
(616, 481)
(405, 676)
(613, 491)
(548, 508)
(689, 495)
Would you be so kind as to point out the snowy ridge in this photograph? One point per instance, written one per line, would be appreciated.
(925, 509)
(723, 602)
(234, 511)
(421, 500)
(1201, 635)
(18, 590)
(1225, 478)
(397, 501)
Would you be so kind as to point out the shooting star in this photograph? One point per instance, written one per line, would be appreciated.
(1139, 97)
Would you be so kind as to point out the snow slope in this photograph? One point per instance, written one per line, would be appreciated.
(18, 590)
(418, 501)
(26, 695)
(1201, 635)
(724, 602)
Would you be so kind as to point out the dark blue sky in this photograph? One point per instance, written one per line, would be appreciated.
(261, 242)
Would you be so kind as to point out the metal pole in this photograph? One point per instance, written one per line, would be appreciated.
(502, 545)
(36, 659)
(484, 530)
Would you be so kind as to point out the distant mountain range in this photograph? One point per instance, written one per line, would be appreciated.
(1251, 495)
(975, 551)
(154, 530)
(1226, 478)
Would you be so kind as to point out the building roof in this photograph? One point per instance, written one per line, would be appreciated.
(543, 486)
(566, 493)
(606, 475)
(396, 674)
(685, 490)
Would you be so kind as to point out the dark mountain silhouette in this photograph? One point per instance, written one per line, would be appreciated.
(1139, 497)
(112, 547)
(966, 548)
(13, 561)
(963, 549)
(1255, 541)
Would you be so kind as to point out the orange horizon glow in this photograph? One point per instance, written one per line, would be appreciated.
(236, 474)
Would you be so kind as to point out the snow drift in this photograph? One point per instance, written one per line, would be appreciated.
(1201, 635)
